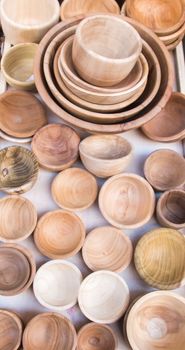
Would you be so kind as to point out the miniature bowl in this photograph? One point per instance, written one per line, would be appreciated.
(18, 56)
(56, 146)
(18, 169)
(23, 216)
(155, 321)
(74, 189)
(60, 329)
(94, 336)
(113, 253)
(171, 209)
(114, 59)
(59, 234)
(11, 330)
(103, 296)
(28, 23)
(120, 201)
(56, 285)
(165, 169)
(156, 262)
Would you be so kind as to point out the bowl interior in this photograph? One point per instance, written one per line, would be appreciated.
(96, 337)
(172, 206)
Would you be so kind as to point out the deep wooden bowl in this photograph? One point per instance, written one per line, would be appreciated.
(156, 262)
(165, 169)
(74, 189)
(11, 330)
(120, 201)
(56, 146)
(105, 155)
(62, 334)
(155, 321)
(94, 336)
(56, 285)
(59, 234)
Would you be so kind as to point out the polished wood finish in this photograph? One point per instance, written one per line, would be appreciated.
(94, 336)
(10, 331)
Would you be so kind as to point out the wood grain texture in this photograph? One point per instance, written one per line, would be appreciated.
(10, 330)
(156, 262)
(95, 336)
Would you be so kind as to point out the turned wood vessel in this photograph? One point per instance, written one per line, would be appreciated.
(10, 330)
(94, 336)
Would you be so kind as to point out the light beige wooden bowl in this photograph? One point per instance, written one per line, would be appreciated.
(94, 336)
(120, 201)
(10, 331)
(165, 169)
(74, 189)
(169, 39)
(155, 321)
(105, 155)
(99, 52)
(59, 234)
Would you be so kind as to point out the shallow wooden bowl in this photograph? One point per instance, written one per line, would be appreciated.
(171, 209)
(74, 189)
(62, 334)
(18, 140)
(173, 45)
(105, 155)
(56, 146)
(12, 63)
(59, 234)
(155, 321)
(94, 336)
(120, 201)
(56, 285)
(169, 39)
(165, 169)
(103, 297)
(156, 262)
(22, 114)
(107, 248)
(18, 169)
(23, 217)
(162, 128)
(11, 330)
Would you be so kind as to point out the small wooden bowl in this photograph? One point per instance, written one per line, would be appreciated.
(74, 189)
(103, 297)
(62, 334)
(155, 322)
(107, 248)
(59, 234)
(94, 336)
(100, 42)
(18, 169)
(162, 128)
(165, 169)
(156, 262)
(22, 114)
(10, 331)
(56, 285)
(171, 209)
(12, 63)
(120, 201)
(105, 155)
(23, 216)
(56, 146)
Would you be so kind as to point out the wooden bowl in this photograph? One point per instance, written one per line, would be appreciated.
(23, 216)
(165, 169)
(94, 336)
(73, 8)
(120, 201)
(169, 39)
(74, 189)
(56, 146)
(18, 169)
(171, 209)
(28, 23)
(56, 285)
(18, 56)
(62, 334)
(173, 45)
(113, 253)
(6, 137)
(156, 262)
(11, 330)
(22, 114)
(59, 234)
(107, 51)
(155, 321)
(105, 155)
(103, 297)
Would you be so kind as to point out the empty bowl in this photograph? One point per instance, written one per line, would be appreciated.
(95, 336)
(11, 330)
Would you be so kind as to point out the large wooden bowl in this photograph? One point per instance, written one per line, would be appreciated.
(94, 336)
(10, 331)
